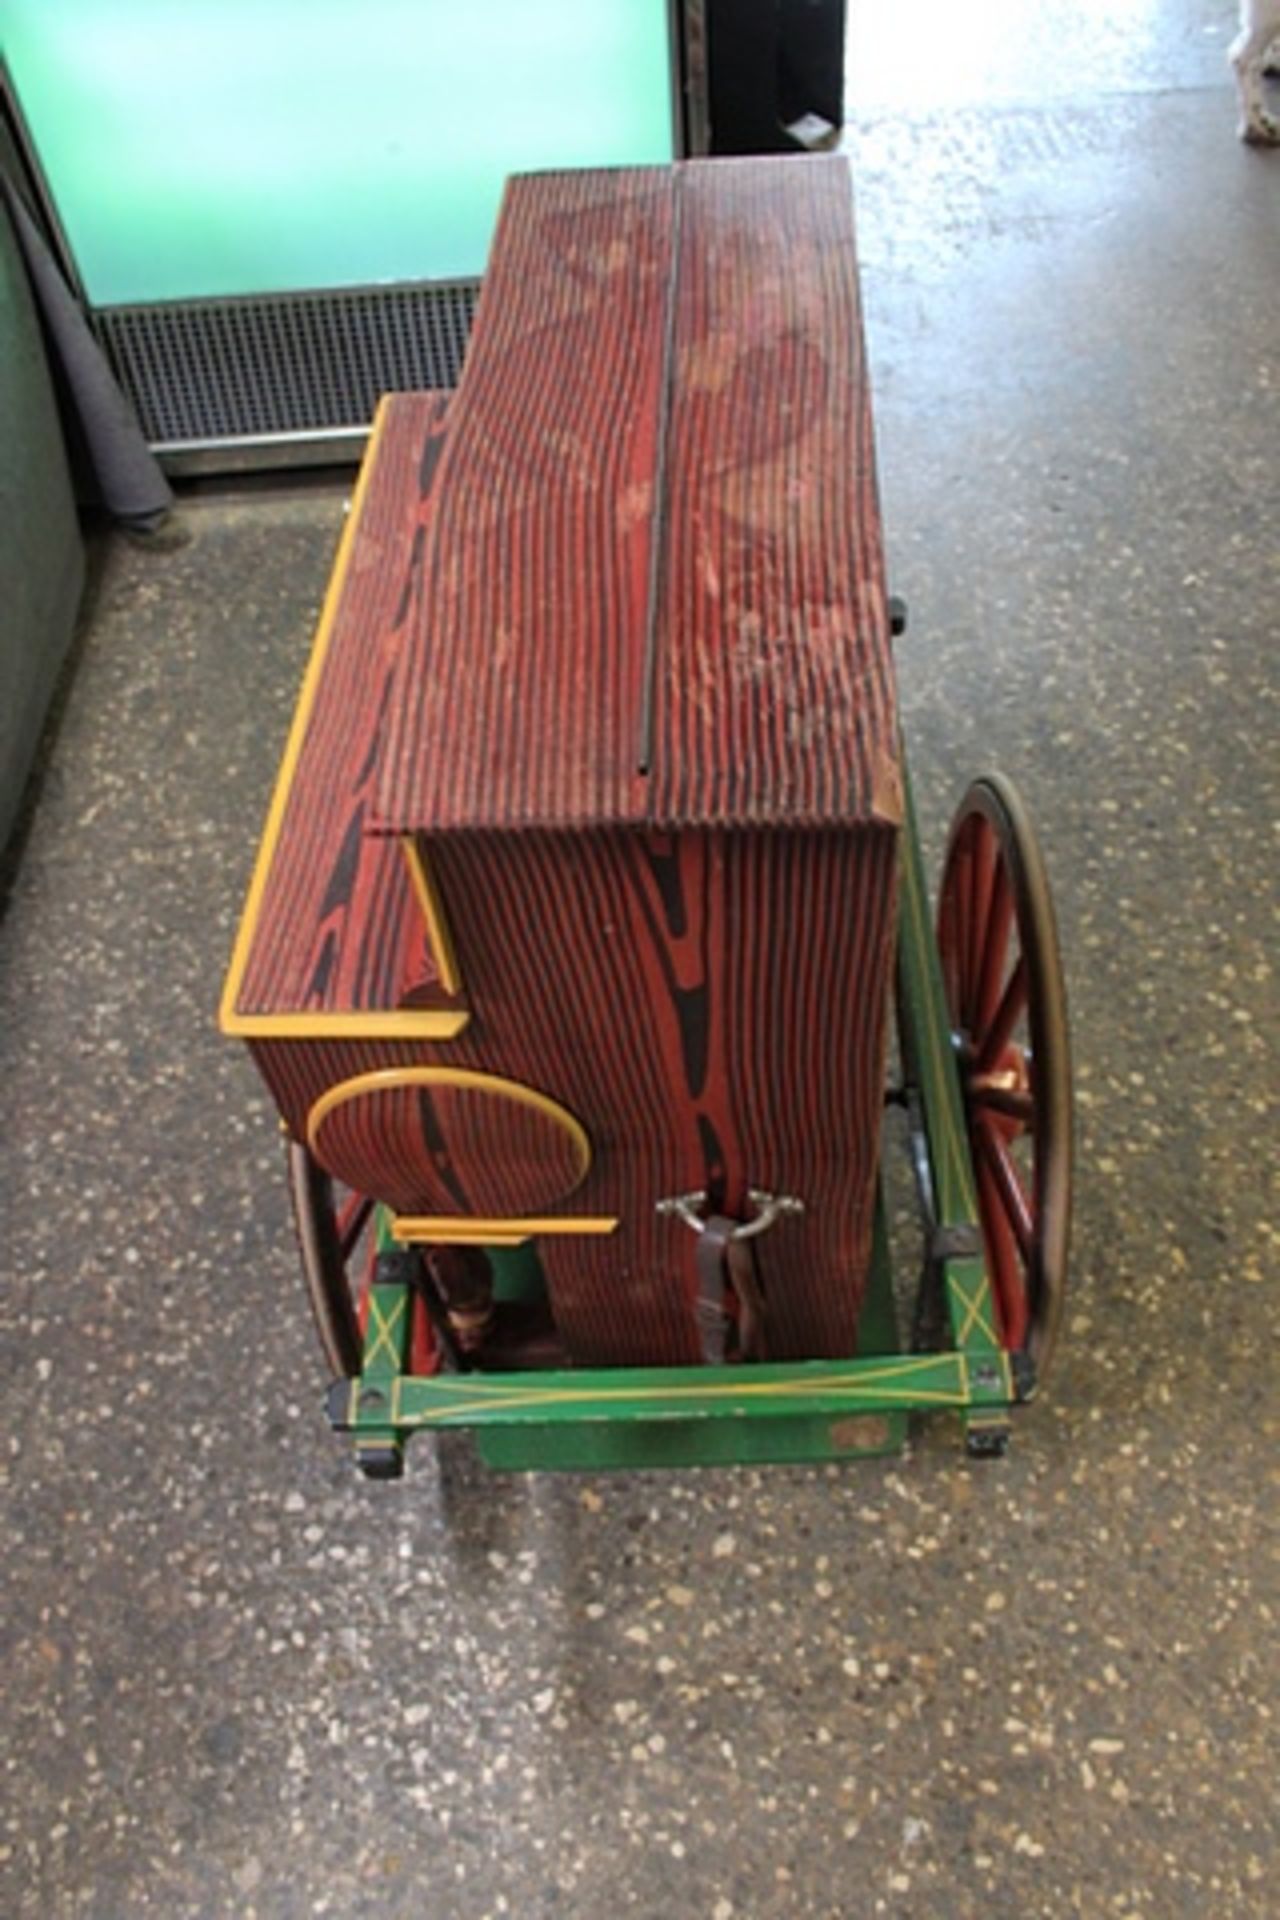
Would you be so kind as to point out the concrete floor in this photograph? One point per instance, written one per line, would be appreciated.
(240, 1681)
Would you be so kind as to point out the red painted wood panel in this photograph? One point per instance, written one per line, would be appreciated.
(656, 540)
(520, 693)
(337, 928)
(711, 1005)
(452, 1150)
(773, 686)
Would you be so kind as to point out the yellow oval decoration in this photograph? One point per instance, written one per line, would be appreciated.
(390, 1079)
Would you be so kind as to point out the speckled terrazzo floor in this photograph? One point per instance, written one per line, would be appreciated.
(240, 1682)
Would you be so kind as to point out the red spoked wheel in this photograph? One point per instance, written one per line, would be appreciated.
(998, 943)
(337, 1241)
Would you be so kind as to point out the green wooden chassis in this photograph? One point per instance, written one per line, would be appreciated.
(641, 1417)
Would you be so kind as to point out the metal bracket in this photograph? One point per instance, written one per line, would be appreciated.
(395, 1267)
(986, 1372)
(770, 1207)
(956, 1243)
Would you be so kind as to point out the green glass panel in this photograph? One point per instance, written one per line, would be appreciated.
(217, 147)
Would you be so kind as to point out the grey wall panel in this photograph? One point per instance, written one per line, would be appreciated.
(41, 553)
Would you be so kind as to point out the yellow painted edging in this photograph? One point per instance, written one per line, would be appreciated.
(385, 1327)
(418, 1023)
(878, 1384)
(387, 1079)
(444, 1230)
(428, 897)
(407, 1023)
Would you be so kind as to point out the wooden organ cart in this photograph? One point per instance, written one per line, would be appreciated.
(591, 878)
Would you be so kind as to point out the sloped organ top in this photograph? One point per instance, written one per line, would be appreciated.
(650, 586)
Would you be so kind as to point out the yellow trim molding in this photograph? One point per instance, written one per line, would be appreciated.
(445, 1230)
(390, 1079)
(415, 1023)
(405, 1023)
(427, 894)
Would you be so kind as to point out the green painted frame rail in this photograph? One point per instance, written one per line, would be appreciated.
(773, 1411)
(403, 1403)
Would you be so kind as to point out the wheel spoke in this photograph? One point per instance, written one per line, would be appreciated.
(1011, 1102)
(953, 932)
(951, 983)
(985, 861)
(1002, 1259)
(1013, 1000)
(995, 949)
(352, 1222)
(1013, 1195)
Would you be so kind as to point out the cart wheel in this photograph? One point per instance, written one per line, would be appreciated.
(998, 945)
(336, 1233)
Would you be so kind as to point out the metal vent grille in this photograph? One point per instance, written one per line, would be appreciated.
(302, 363)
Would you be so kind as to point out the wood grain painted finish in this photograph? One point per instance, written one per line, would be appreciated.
(711, 1005)
(652, 533)
(521, 686)
(655, 541)
(773, 689)
(336, 928)
(423, 1147)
